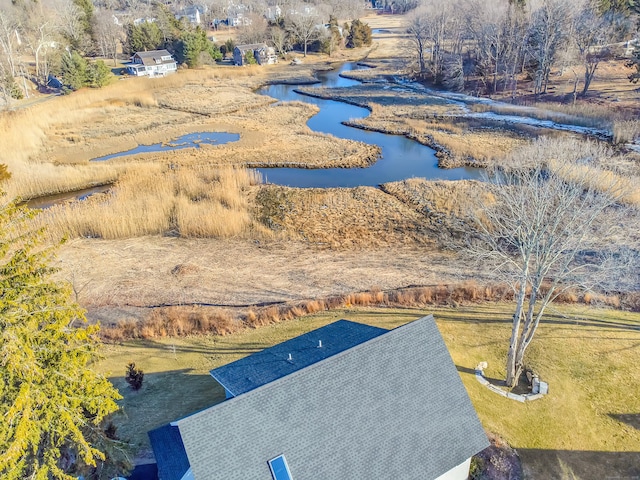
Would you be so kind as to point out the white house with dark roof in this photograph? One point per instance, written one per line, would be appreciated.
(193, 14)
(345, 401)
(155, 63)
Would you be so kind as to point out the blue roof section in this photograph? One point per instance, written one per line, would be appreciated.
(169, 451)
(272, 363)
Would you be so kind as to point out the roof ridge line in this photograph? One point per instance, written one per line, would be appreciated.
(276, 382)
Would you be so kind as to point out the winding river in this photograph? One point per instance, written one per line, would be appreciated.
(401, 157)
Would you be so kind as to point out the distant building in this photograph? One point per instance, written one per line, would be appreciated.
(263, 54)
(138, 21)
(237, 15)
(346, 401)
(155, 63)
(273, 13)
(194, 14)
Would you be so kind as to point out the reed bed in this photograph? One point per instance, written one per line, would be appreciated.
(626, 131)
(25, 133)
(591, 162)
(202, 320)
(339, 218)
(602, 113)
(156, 200)
(52, 179)
(584, 115)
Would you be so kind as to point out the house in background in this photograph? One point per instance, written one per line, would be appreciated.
(263, 54)
(238, 15)
(347, 401)
(272, 14)
(194, 14)
(155, 63)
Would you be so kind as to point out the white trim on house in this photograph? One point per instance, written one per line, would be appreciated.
(156, 63)
(188, 475)
(461, 472)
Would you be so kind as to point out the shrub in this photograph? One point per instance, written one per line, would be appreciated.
(249, 58)
(359, 35)
(134, 376)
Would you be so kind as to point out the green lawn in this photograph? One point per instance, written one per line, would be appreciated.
(588, 425)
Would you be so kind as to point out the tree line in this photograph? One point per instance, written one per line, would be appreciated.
(73, 39)
(497, 42)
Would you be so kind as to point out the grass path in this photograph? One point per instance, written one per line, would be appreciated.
(588, 425)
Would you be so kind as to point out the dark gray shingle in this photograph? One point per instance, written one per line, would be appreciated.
(392, 407)
(272, 363)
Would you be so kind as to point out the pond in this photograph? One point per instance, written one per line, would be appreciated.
(51, 200)
(401, 157)
(185, 141)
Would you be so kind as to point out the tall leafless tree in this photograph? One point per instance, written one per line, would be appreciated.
(109, 34)
(486, 26)
(9, 40)
(280, 40)
(430, 29)
(548, 34)
(418, 30)
(592, 33)
(254, 31)
(553, 226)
(302, 24)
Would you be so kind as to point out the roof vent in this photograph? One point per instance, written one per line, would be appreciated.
(319, 343)
(290, 359)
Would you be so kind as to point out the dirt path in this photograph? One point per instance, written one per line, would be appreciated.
(157, 270)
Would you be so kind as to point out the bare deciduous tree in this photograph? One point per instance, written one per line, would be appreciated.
(303, 23)
(253, 31)
(418, 30)
(9, 40)
(280, 40)
(41, 33)
(430, 27)
(547, 36)
(485, 24)
(591, 34)
(71, 24)
(553, 226)
(108, 34)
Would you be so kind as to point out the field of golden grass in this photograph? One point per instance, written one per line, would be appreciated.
(340, 218)
(155, 200)
(47, 151)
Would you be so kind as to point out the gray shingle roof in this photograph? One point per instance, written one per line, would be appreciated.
(272, 363)
(169, 452)
(154, 57)
(251, 46)
(391, 407)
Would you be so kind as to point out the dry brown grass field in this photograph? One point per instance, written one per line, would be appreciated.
(183, 208)
(47, 146)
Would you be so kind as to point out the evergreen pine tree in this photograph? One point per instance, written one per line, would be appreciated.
(74, 71)
(99, 74)
(52, 404)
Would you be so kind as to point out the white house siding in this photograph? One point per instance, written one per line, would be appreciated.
(461, 472)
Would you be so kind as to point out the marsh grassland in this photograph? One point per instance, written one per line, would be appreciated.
(190, 261)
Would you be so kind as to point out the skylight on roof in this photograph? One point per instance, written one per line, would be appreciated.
(279, 468)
